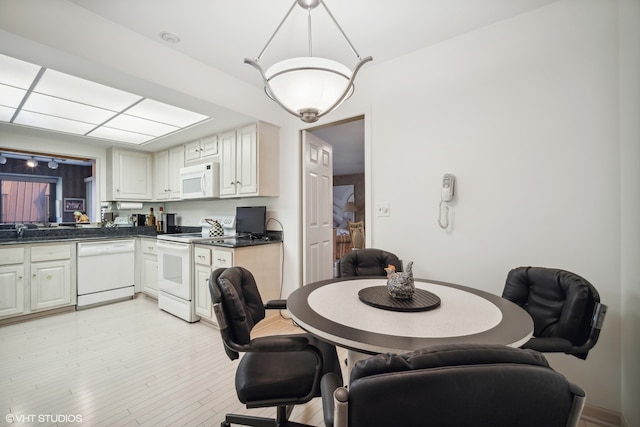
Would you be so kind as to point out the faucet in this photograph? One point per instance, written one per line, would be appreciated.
(20, 229)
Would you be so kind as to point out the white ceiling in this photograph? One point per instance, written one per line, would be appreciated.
(221, 33)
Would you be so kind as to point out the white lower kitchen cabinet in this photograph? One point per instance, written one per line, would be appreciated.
(51, 281)
(149, 267)
(11, 290)
(50, 284)
(50, 269)
(263, 261)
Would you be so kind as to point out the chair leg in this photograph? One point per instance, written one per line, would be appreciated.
(281, 420)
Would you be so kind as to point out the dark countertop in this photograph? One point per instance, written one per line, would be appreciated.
(237, 243)
(70, 233)
(61, 234)
(243, 242)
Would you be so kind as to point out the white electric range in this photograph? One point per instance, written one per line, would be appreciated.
(176, 287)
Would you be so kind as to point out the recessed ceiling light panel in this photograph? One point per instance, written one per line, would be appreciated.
(17, 73)
(84, 91)
(6, 113)
(105, 132)
(27, 118)
(138, 125)
(11, 96)
(52, 106)
(158, 111)
(31, 95)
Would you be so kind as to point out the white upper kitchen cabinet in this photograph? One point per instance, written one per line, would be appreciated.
(249, 163)
(201, 149)
(166, 171)
(129, 175)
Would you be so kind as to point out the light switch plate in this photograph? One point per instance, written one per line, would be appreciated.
(382, 209)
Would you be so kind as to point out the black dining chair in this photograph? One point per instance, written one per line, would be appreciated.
(452, 386)
(279, 371)
(566, 309)
(367, 262)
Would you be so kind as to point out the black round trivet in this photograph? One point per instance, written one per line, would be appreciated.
(378, 296)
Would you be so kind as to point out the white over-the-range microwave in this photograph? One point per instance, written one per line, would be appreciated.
(200, 181)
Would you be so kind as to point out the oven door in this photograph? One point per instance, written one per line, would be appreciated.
(174, 269)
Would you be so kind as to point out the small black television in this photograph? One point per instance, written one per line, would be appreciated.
(251, 221)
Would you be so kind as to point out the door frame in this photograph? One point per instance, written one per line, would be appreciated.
(365, 117)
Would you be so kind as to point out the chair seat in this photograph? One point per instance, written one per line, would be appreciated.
(265, 377)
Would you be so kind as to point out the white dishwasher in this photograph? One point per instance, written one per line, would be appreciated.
(106, 271)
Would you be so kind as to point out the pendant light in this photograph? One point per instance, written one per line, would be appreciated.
(309, 87)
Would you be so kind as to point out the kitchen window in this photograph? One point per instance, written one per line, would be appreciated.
(28, 199)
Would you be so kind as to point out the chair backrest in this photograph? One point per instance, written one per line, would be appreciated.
(238, 306)
(460, 385)
(368, 262)
(356, 230)
(563, 305)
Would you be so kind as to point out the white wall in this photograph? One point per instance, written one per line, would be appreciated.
(630, 191)
(525, 114)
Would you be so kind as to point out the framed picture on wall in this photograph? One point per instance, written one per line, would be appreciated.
(72, 205)
(342, 194)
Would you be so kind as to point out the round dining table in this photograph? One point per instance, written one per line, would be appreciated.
(337, 311)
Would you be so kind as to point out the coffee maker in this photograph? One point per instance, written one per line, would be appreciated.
(169, 223)
(140, 219)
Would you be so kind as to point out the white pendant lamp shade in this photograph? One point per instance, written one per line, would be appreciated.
(308, 84)
(308, 87)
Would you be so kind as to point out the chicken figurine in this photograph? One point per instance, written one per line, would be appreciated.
(400, 284)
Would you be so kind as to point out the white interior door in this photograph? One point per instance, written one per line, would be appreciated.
(317, 193)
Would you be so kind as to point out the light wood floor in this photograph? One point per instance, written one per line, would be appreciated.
(124, 364)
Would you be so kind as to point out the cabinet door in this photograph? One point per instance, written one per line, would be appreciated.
(209, 146)
(176, 161)
(247, 161)
(11, 290)
(161, 172)
(192, 151)
(203, 297)
(150, 274)
(228, 163)
(50, 284)
(133, 175)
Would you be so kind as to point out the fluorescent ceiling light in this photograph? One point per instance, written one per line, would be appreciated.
(11, 96)
(57, 124)
(52, 106)
(105, 132)
(17, 73)
(34, 96)
(64, 86)
(154, 110)
(6, 113)
(138, 125)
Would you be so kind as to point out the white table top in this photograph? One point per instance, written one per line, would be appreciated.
(332, 311)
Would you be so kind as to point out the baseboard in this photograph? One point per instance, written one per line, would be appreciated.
(36, 315)
(601, 416)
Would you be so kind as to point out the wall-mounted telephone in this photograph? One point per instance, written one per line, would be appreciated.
(447, 187)
(446, 195)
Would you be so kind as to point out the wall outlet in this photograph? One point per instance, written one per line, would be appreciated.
(382, 209)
